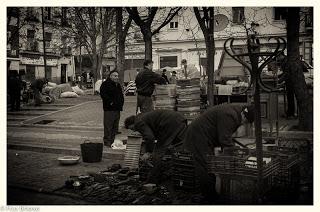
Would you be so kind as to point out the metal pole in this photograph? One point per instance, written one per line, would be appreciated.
(44, 44)
(257, 118)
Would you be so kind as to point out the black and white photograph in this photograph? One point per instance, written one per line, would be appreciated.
(158, 105)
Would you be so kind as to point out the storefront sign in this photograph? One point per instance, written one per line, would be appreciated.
(38, 61)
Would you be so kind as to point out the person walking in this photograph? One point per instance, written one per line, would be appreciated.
(14, 90)
(112, 99)
(162, 131)
(145, 83)
(213, 128)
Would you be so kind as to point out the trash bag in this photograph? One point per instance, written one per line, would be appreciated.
(69, 94)
(118, 144)
(65, 87)
(78, 90)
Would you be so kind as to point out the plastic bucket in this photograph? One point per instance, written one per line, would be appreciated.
(91, 152)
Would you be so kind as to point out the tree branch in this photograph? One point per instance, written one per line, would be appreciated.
(169, 17)
(201, 21)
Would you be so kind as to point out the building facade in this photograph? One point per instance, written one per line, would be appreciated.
(27, 36)
(182, 38)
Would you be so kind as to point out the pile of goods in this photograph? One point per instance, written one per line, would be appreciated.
(188, 98)
(121, 186)
(165, 97)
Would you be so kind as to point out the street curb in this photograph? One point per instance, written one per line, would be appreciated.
(53, 112)
(73, 127)
(108, 154)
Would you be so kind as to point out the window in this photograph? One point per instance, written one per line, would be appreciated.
(237, 15)
(30, 34)
(48, 14)
(47, 38)
(31, 43)
(171, 61)
(309, 19)
(280, 13)
(174, 23)
(64, 19)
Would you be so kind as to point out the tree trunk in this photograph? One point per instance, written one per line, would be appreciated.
(296, 72)
(210, 58)
(210, 71)
(121, 44)
(147, 36)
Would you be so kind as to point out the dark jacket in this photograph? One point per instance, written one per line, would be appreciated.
(14, 85)
(214, 128)
(112, 95)
(145, 81)
(165, 77)
(38, 84)
(160, 125)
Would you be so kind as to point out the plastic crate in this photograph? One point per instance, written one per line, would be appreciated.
(241, 163)
(184, 172)
(288, 174)
(242, 190)
(238, 175)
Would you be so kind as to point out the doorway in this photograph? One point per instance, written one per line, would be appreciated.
(30, 73)
(63, 73)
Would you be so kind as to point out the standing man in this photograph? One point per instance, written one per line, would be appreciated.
(161, 130)
(145, 81)
(112, 98)
(213, 128)
(14, 89)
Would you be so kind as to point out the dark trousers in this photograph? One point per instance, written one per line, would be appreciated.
(110, 123)
(207, 181)
(144, 103)
(15, 101)
(37, 97)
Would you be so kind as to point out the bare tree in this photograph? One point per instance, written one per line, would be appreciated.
(206, 23)
(121, 38)
(295, 70)
(95, 29)
(145, 20)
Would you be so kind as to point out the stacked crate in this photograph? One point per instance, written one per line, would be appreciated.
(165, 97)
(188, 98)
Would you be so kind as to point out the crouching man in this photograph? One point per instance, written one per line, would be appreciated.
(161, 130)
